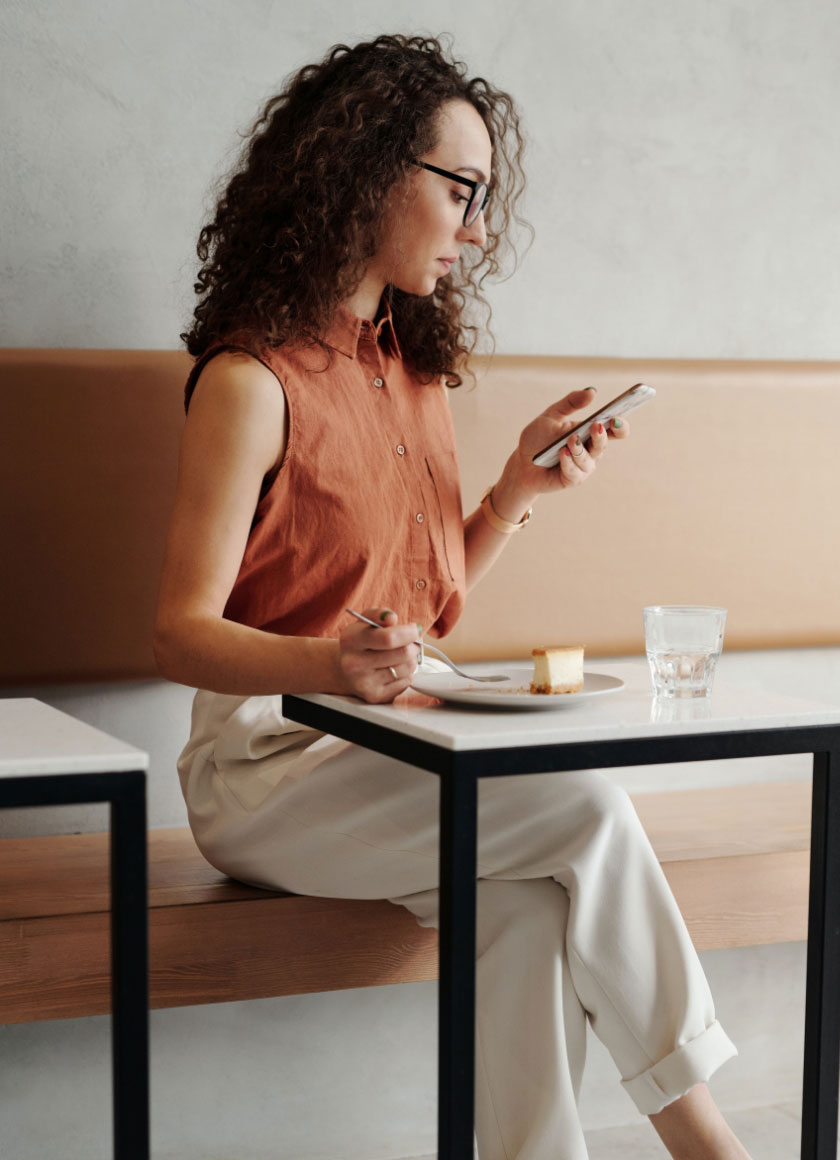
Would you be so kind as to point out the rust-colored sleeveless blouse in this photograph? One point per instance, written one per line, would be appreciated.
(365, 509)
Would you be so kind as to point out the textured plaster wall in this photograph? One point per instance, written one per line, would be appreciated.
(684, 162)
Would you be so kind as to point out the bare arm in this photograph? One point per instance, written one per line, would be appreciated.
(236, 431)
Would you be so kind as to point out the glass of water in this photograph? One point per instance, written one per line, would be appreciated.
(683, 643)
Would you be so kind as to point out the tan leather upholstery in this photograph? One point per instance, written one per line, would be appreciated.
(87, 479)
(725, 494)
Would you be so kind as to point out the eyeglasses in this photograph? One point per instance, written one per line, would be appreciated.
(478, 199)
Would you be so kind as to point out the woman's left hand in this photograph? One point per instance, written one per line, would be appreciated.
(522, 480)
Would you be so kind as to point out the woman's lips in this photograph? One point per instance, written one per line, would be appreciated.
(447, 262)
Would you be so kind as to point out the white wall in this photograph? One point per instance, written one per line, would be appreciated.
(684, 175)
(684, 162)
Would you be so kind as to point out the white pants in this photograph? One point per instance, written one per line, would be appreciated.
(575, 919)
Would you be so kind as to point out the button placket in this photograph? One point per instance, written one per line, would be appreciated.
(371, 359)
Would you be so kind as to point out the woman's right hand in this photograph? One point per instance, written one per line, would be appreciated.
(370, 657)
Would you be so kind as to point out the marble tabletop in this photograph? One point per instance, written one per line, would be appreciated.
(736, 704)
(37, 739)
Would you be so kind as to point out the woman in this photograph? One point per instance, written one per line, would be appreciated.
(318, 473)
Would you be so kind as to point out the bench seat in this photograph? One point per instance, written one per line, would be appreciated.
(736, 859)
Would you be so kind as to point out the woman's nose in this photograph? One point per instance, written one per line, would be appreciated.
(475, 232)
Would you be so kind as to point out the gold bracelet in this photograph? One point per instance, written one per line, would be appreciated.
(495, 520)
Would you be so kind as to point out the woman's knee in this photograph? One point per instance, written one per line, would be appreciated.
(601, 802)
(501, 904)
(530, 911)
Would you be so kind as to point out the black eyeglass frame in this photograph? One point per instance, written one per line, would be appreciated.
(474, 186)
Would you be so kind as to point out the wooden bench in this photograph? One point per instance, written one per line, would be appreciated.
(736, 859)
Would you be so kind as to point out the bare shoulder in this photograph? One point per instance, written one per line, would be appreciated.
(236, 377)
(237, 398)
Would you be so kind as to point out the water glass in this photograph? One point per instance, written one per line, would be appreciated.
(683, 643)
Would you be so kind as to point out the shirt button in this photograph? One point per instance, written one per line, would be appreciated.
(377, 382)
(421, 584)
(400, 449)
(420, 517)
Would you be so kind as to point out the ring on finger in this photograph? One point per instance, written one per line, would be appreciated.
(579, 450)
(393, 672)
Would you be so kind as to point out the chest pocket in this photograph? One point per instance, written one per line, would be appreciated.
(442, 469)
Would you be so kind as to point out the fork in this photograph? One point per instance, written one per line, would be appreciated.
(424, 648)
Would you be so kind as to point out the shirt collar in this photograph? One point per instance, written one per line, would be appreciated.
(344, 331)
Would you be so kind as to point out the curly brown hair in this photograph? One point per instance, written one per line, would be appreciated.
(302, 213)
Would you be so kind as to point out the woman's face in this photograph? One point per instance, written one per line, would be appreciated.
(424, 230)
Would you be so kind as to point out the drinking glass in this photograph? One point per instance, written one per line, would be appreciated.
(683, 643)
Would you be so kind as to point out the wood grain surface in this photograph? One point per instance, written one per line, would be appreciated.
(736, 859)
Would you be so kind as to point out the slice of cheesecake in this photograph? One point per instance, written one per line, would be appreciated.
(558, 670)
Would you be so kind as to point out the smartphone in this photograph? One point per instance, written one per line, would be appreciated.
(621, 405)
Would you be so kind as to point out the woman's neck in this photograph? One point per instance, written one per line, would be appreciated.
(365, 299)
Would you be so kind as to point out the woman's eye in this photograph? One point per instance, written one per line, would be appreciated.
(459, 196)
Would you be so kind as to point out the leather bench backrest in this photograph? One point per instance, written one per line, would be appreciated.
(725, 494)
(87, 480)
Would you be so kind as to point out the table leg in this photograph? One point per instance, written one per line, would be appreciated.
(456, 988)
(129, 973)
(822, 996)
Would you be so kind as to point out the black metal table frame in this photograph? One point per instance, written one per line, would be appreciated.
(459, 771)
(125, 791)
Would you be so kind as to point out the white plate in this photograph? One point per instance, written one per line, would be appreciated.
(511, 694)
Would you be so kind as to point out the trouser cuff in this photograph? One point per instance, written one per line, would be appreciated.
(671, 1077)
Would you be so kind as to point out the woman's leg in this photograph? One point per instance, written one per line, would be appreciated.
(692, 1128)
(363, 826)
(530, 1040)
(632, 961)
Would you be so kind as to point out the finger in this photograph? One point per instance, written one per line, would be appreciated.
(580, 456)
(391, 634)
(366, 622)
(597, 442)
(619, 429)
(401, 658)
(572, 473)
(383, 617)
(382, 690)
(384, 684)
(575, 401)
(398, 673)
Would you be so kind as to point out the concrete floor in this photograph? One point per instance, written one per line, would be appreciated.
(768, 1133)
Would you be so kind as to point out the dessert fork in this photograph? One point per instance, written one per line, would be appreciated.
(424, 648)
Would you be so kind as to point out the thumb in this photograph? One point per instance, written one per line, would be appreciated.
(574, 401)
(382, 616)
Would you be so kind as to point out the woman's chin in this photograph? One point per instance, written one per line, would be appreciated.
(419, 287)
